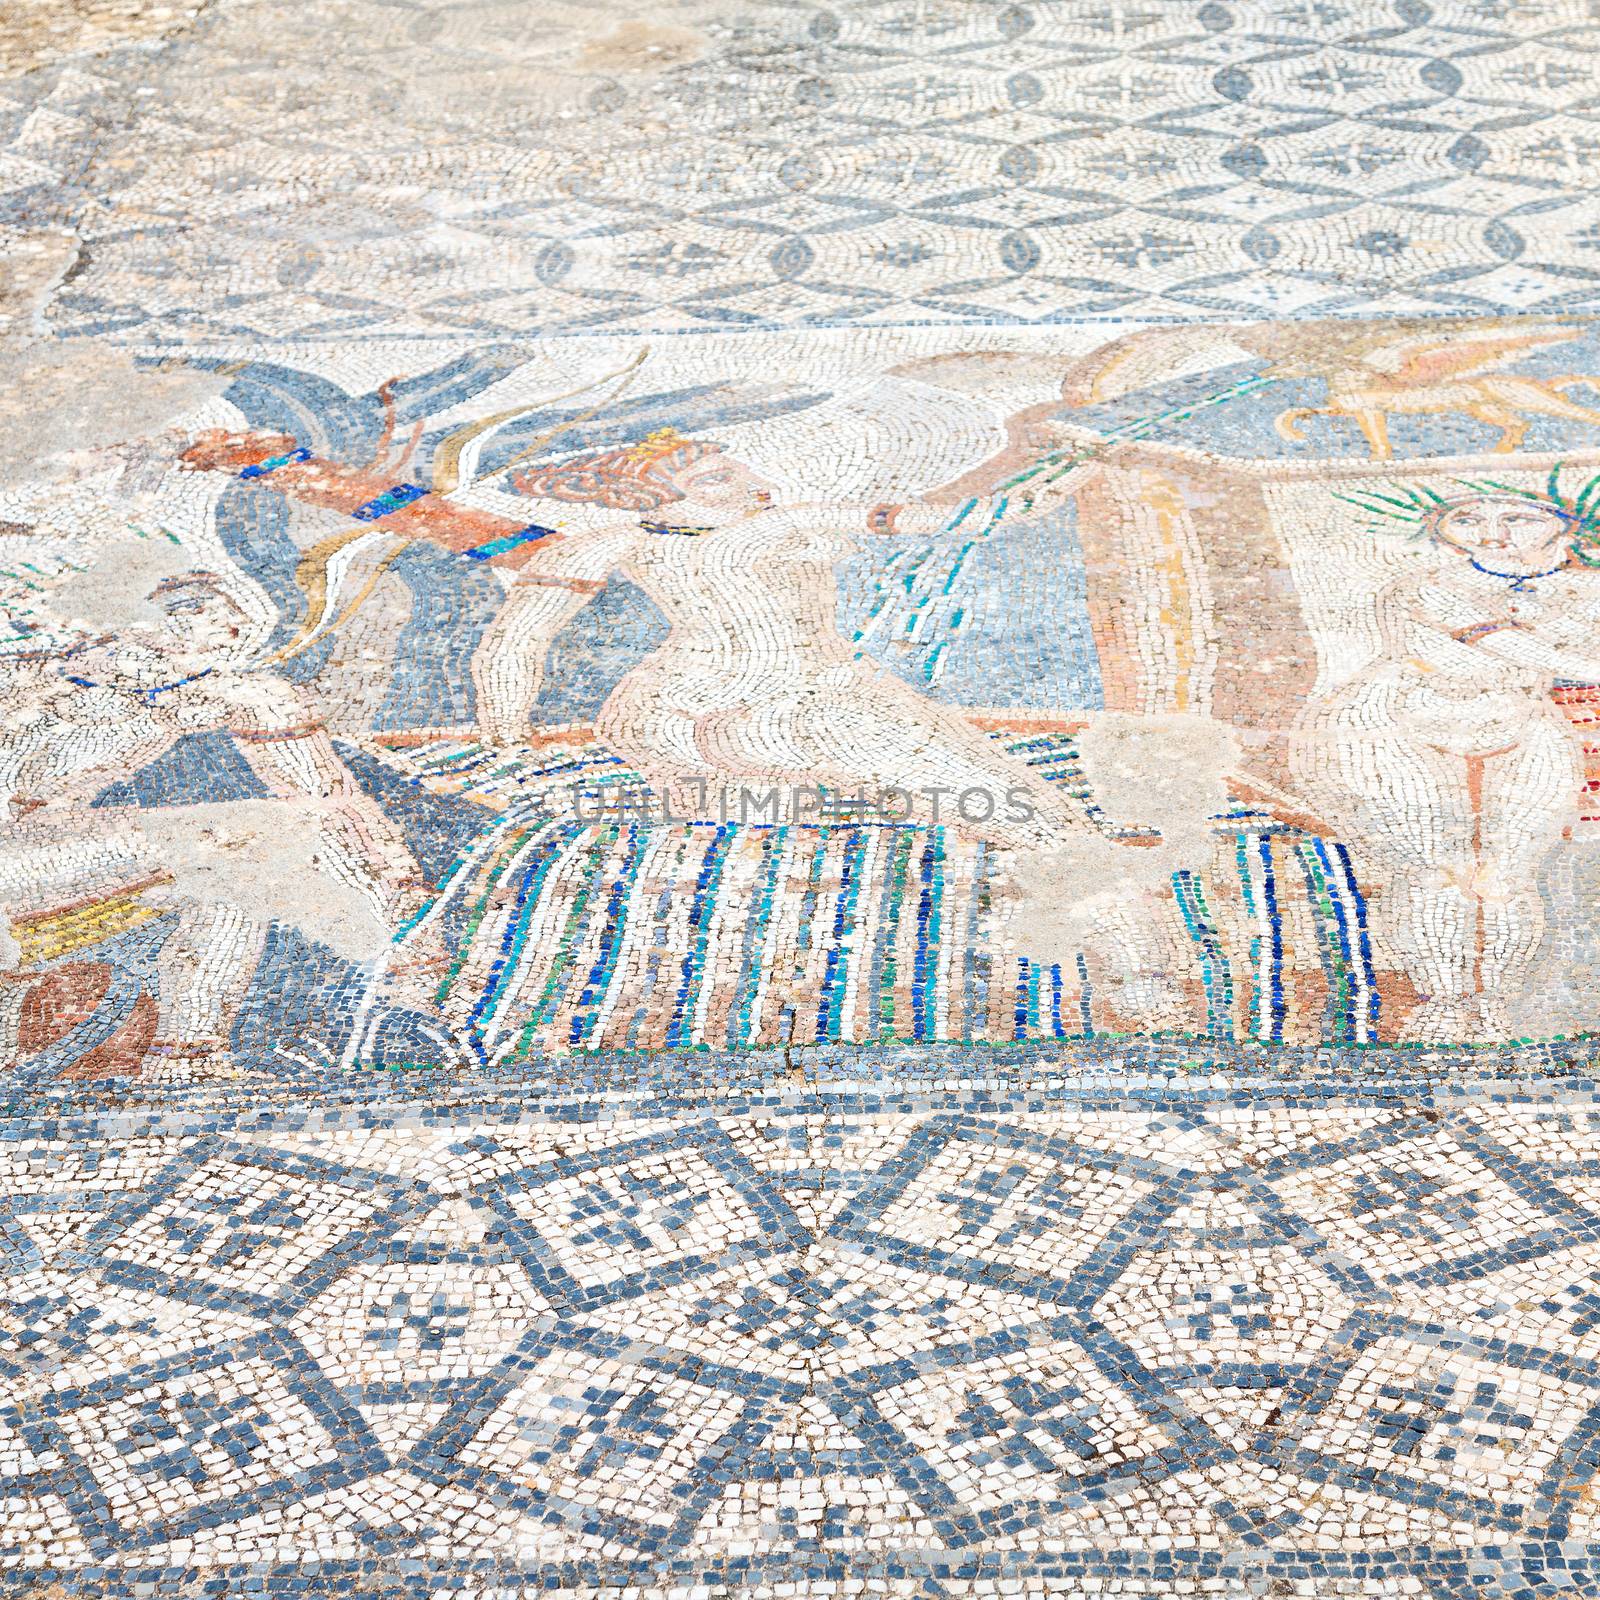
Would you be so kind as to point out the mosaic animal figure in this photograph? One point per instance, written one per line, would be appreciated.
(1449, 374)
(1372, 371)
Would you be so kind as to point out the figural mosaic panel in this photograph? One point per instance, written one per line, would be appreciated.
(799, 801)
(412, 705)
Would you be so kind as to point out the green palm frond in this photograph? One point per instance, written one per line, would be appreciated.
(1587, 494)
(1405, 503)
(1380, 510)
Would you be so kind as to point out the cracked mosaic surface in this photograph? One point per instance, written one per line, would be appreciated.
(799, 800)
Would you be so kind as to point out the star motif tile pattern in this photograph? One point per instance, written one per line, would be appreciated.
(1215, 1384)
(801, 800)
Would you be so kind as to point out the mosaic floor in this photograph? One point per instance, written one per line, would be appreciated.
(800, 801)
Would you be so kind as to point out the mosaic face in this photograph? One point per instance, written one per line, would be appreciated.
(1518, 534)
(782, 714)
(800, 801)
(200, 619)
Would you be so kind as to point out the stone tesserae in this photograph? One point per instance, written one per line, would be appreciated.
(800, 801)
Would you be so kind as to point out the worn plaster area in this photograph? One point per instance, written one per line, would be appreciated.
(799, 800)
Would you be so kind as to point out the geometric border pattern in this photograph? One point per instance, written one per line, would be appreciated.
(1066, 160)
(1190, 1066)
(1143, 1335)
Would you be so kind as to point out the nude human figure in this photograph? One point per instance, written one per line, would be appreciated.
(109, 708)
(758, 685)
(1447, 761)
(754, 680)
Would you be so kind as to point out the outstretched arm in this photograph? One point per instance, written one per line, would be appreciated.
(1006, 485)
(1521, 648)
(58, 753)
(369, 852)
